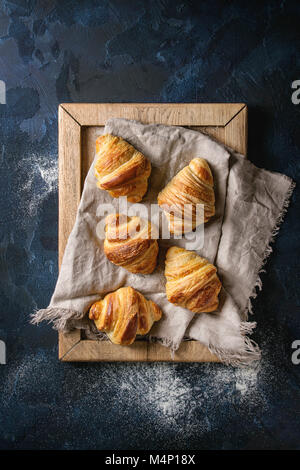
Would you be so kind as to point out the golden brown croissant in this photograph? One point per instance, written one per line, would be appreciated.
(129, 243)
(192, 281)
(123, 314)
(192, 185)
(120, 168)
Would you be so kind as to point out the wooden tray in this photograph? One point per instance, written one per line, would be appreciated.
(78, 124)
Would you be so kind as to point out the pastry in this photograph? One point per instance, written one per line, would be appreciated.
(120, 169)
(192, 185)
(192, 281)
(129, 242)
(123, 314)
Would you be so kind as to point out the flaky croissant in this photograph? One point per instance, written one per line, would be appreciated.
(192, 281)
(120, 168)
(129, 243)
(192, 185)
(123, 314)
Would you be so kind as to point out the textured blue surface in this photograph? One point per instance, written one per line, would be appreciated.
(176, 51)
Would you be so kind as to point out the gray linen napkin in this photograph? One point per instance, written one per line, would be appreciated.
(250, 203)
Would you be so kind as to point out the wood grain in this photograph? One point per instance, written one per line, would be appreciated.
(67, 342)
(140, 351)
(79, 125)
(173, 114)
(236, 132)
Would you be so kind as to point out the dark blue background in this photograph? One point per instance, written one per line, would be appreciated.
(147, 51)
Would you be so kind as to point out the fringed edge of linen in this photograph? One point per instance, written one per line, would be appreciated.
(268, 250)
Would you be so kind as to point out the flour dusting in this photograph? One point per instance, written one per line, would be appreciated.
(173, 394)
(168, 393)
(38, 182)
(246, 382)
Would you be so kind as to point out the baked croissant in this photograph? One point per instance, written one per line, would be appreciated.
(192, 185)
(123, 314)
(192, 281)
(129, 242)
(120, 168)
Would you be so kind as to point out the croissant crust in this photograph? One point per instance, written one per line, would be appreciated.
(192, 281)
(192, 185)
(129, 243)
(123, 314)
(120, 168)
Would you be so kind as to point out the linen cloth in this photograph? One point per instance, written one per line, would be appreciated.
(250, 203)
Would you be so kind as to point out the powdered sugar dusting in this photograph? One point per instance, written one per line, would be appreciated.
(39, 181)
(169, 394)
(174, 401)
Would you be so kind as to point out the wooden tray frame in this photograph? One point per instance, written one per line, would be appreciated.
(227, 122)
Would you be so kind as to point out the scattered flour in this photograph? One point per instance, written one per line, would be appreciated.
(246, 381)
(174, 394)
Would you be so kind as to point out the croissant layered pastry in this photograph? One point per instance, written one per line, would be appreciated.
(192, 281)
(120, 169)
(129, 242)
(123, 314)
(192, 185)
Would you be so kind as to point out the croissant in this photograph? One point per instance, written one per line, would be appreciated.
(192, 185)
(192, 281)
(120, 168)
(129, 242)
(123, 314)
